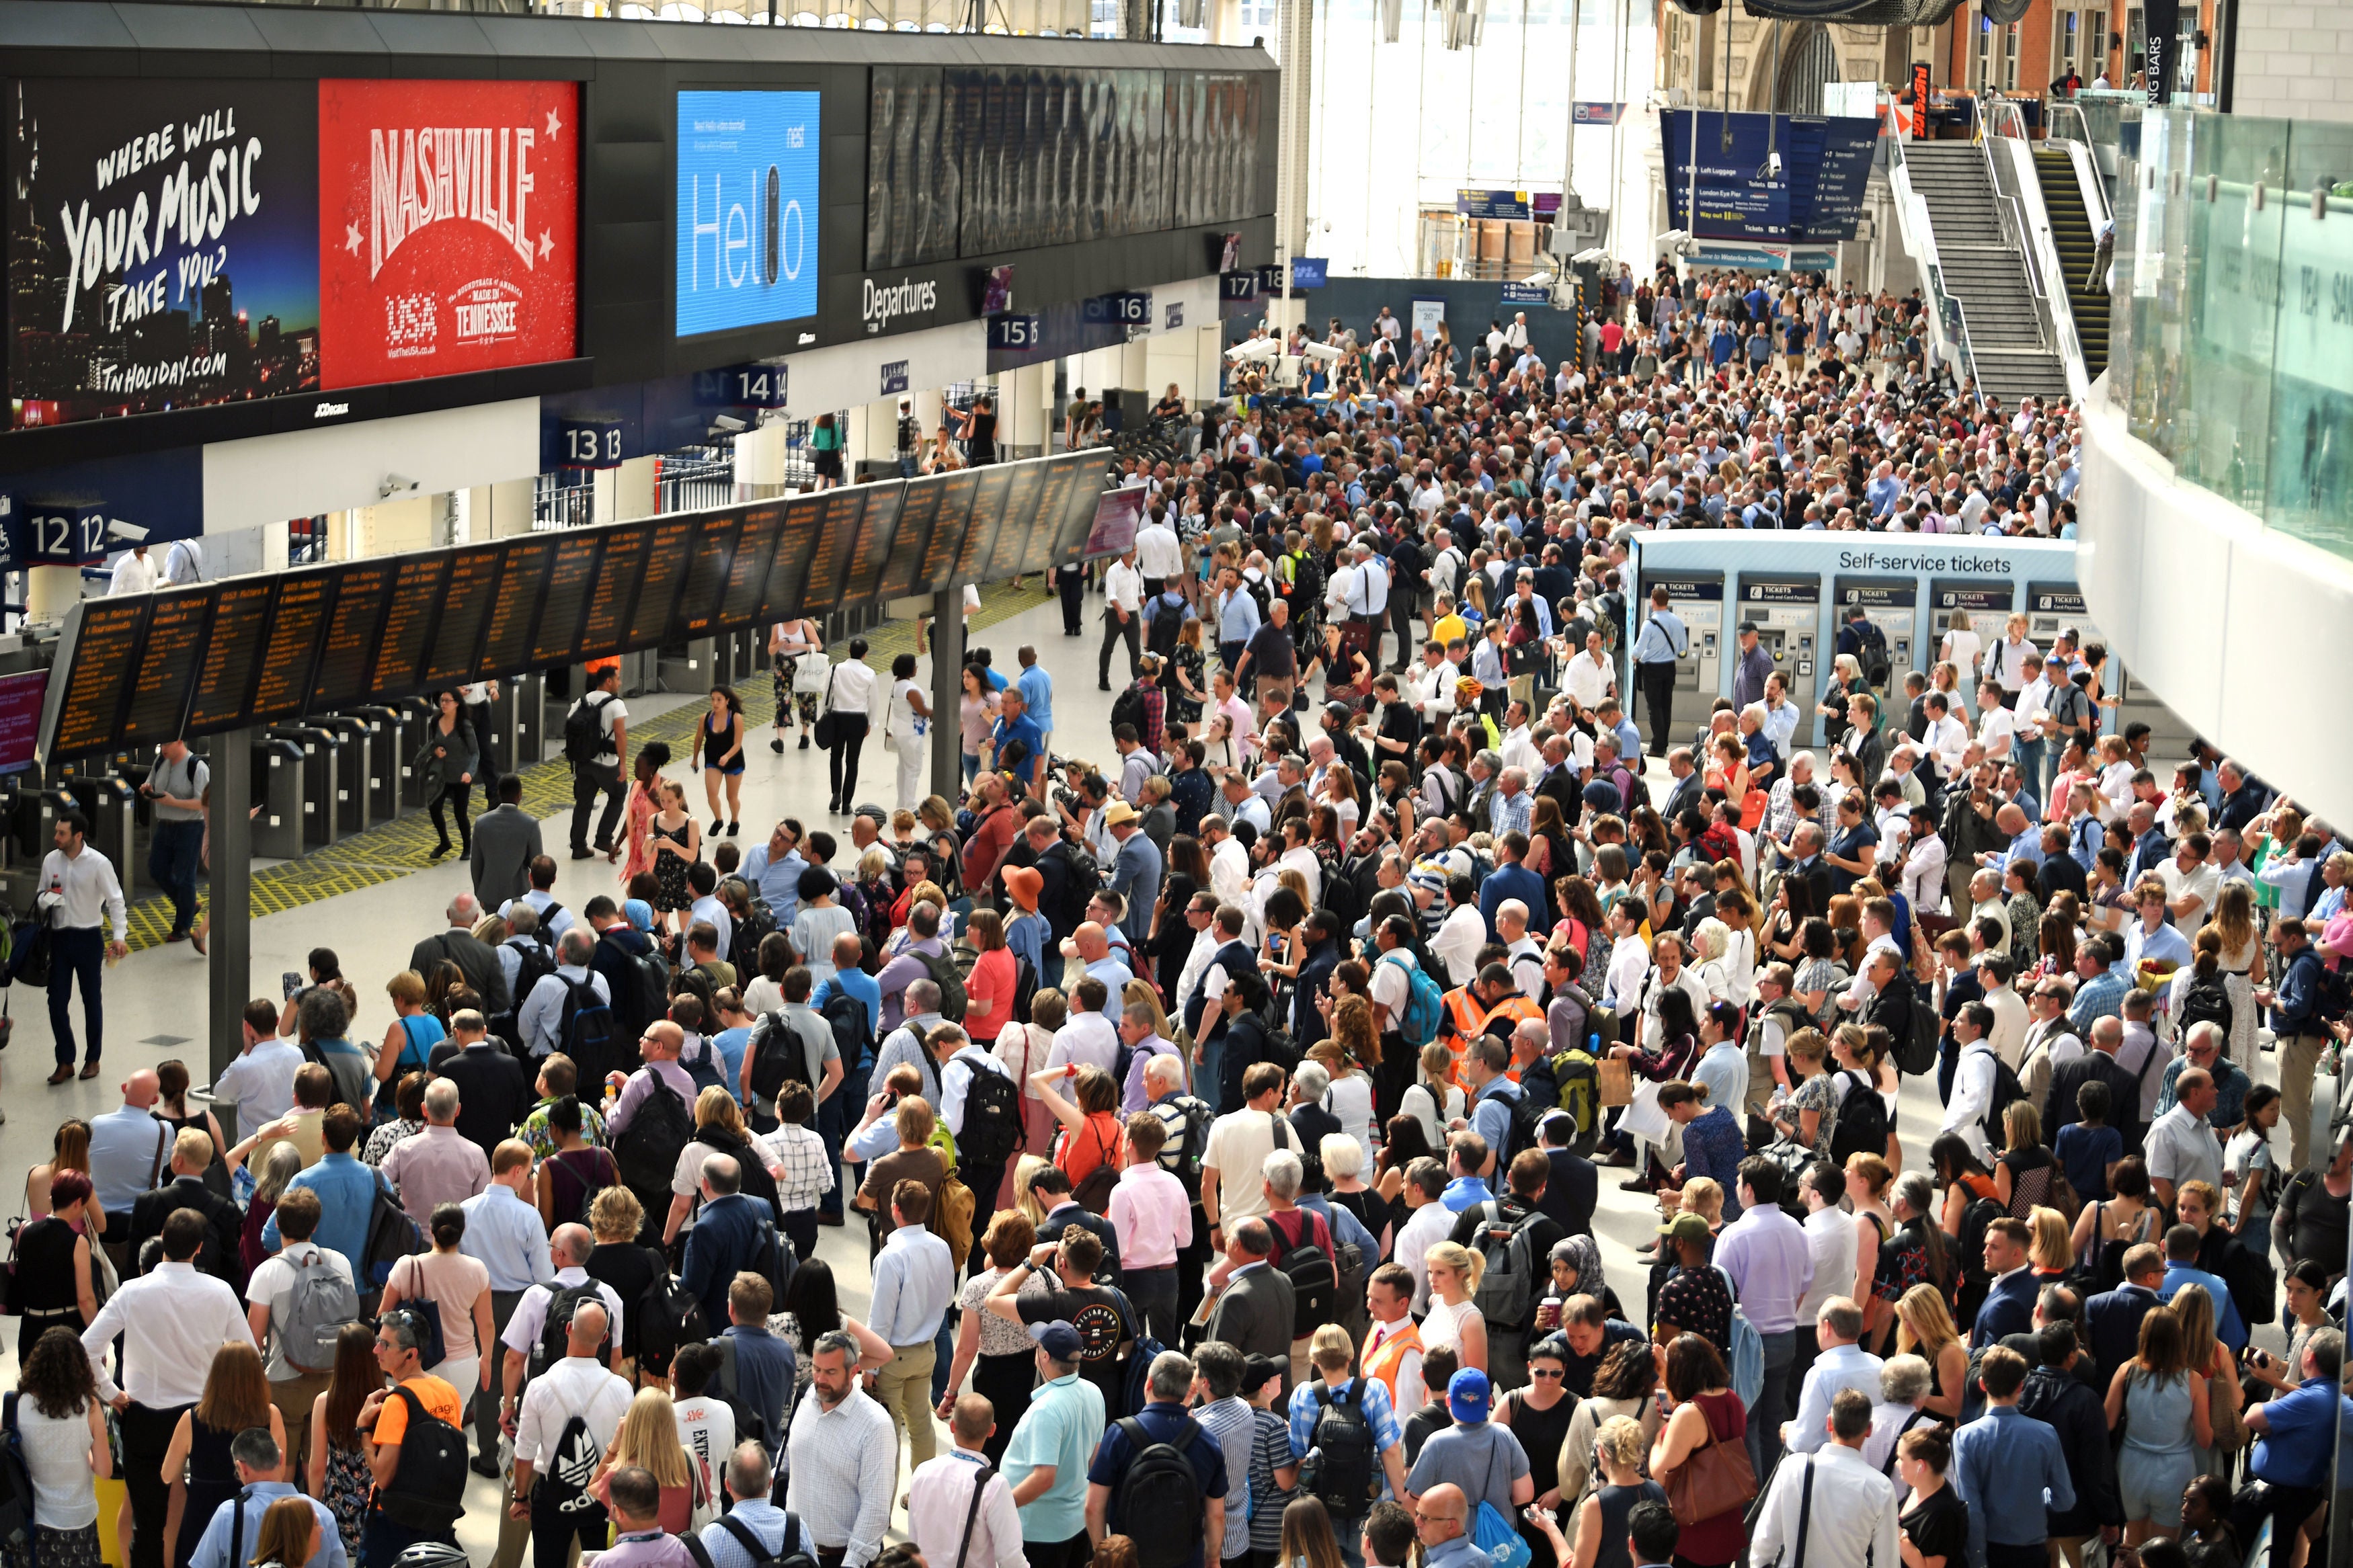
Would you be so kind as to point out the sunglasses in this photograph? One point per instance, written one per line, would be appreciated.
(1554, 1375)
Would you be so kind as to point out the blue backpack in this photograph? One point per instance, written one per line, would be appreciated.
(1423, 1005)
(1137, 1388)
(1747, 1349)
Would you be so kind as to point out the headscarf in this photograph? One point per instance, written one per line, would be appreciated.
(1582, 1254)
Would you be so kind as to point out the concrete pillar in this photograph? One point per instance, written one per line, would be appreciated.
(339, 536)
(881, 432)
(633, 488)
(1208, 365)
(927, 410)
(858, 425)
(1025, 410)
(501, 511)
(760, 462)
(393, 527)
(230, 888)
(1132, 355)
(274, 547)
(50, 591)
(605, 492)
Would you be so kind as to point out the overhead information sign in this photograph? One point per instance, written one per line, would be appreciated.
(137, 670)
(1816, 194)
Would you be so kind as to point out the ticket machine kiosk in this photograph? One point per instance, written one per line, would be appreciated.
(1987, 601)
(1697, 598)
(1891, 604)
(1786, 608)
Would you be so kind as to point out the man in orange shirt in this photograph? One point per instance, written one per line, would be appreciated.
(399, 1517)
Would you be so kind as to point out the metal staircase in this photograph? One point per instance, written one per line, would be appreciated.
(2004, 330)
(2071, 230)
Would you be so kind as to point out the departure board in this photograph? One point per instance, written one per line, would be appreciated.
(1020, 520)
(514, 606)
(837, 542)
(669, 547)
(1046, 526)
(357, 595)
(225, 683)
(297, 617)
(875, 537)
(417, 587)
(1078, 517)
(89, 699)
(612, 593)
(902, 566)
(168, 660)
(947, 543)
(747, 573)
(465, 610)
(980, 533)
(788, 573)
(563, 601)
(703, 602)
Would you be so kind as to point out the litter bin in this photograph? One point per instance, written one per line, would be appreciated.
(278, 789)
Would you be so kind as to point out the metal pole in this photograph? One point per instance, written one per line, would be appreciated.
(230, 886)
(947, 691)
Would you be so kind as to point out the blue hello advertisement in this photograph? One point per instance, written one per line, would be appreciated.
(748, 209)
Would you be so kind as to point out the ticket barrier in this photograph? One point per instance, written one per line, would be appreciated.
(322, 757)
(389, 730)
(691, 667)
(111, 804)
(515, 720)
(354, 757)
(422, 714)
(277, 827)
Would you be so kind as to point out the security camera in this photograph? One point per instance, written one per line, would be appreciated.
(726, 424)
(118, 529)
(393, 485)
(1539, 278)
(1322, 353)
(1254, 350)
(1770, 168)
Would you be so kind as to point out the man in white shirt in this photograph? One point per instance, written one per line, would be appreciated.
(77, 891)
(262, 1080)
(1973, 1079)
(1123, 587)
(2192, 883)
(2009, 1012)
(171, 1322)
(1157, 556)
(940, 1503)
(133, 573)
(540, 1018)
(1848, 1509)
(1233, 1160)
(1429, 1222)
(580, 1385)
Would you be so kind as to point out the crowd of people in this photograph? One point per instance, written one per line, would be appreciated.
(1228, 1118)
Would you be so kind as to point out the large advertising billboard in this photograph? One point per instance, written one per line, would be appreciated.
(450, 215)
(748, 209)
(195, 243)
(164, 245)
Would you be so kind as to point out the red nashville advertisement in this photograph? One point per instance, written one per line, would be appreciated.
(448, 227)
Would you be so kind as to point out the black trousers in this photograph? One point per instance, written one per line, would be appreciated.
(587, 784)
(457, 796)
(985, 1182)
(1656, 682)
(554, 1530)
(1152, 1293)
(146, 1435)
(1114, 630)
(841, 762)
(1402, 608)
(1075, 1552)
(79, 953)
(1073, 586)
(486, 771)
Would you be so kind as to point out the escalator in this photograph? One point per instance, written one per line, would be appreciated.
(2070, 231)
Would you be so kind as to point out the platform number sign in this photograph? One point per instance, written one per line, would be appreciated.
(590, 443)
(63, 534)
(757, 386)
(1127, 309)
(1011, 333)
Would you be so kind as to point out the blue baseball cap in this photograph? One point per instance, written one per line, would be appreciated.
(1058, 1339)
(1467, 1394)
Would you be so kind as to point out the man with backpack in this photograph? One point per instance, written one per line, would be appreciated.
(1983, 1084)
(570, 1415)
(734, 1232)
(597, 744)
(959, 1510)
(1516, 1236)
(981, 1105)
(652, 1121)
(298, 1298)
(1158, 1478)
(416, 1452)
(1349, 1424)
(548, 1017)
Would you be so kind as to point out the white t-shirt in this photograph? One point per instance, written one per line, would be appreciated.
(1961, 645)
(1238, 1147)
(1351, 1099)
(577, 1386)
(706, 1428)
(2202, 883)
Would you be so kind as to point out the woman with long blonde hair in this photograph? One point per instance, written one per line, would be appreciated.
(1307, 1538)
(2242, 964)
(1924, 1328)
(649, 1437)
(1453, 1320)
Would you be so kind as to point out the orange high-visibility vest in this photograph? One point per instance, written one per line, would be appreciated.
(1385, 1360)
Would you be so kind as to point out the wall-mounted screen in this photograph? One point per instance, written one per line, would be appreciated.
(876, 539)
(788, 573)
(563, 602)
(349, 647)
(297, 616)
(747, 573)
(748, 209)
(473, 581)
(902, 568)
(837, 544)
(232, 656)
(89, 701)
(166, 671)
(703, 601)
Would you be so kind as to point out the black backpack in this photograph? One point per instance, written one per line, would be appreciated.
(793, 1554)
(1969, 1243)
(1527, 1115)
(1025, 988)
(583, 728)
(2006, 1088)
(668, 1317)
(853, 1029)
(570, 1466)
(642, 997)
(2206, 1002)
(1127, 708)
(590, 1032)
(992, 1116)
(535, 964)
(555, 1334)
(1313, 1274)
(1194, 1117)
(707, 1067)
(429, 1485)
(1157, 1503)
(778, 1056)
(1349, 1480)
(1862, 1126)
(1876, 665)
(759, 1184)
(941, 971)
(647, 1153)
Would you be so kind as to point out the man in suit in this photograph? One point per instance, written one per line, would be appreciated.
(1891, 1004)
(2010, 1306)
(476, 959)
(2098, 1062)
(1807, 864)
(1686, 791)
(191, 1155)
(505, 843)
(493, 1093)
(1254, 1310)
(1568, 1193)
(2111, 1318)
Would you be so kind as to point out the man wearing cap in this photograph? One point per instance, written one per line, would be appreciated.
(1047, 1457)
(1749, 674)
(1135, 873)
(1162, 1420)
(1481, 1457)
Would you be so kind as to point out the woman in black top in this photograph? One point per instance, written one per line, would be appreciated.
(446, 763)
(1935, 1521)
(1538, 1416)
(54, 1285)
(617, 1259)
(977, 426)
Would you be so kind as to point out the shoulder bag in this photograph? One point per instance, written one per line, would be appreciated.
(1717, 1479)
(828, 725)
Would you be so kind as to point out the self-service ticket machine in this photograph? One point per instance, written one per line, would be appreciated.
(277, 827)
(1987, 602)
(1786, 608)
(1891, 604)
(1698, 600)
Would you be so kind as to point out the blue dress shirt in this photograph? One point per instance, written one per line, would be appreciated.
(213, 1550)
(915, 1280)
(1999, 1460)
(346, 1192)
(505, 1236)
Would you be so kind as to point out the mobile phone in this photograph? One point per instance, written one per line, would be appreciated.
(292, 982)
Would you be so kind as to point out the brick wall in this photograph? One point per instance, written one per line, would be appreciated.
(2293, 59)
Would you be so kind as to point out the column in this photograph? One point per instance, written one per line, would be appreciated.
(502, 511)
(760, 462)
(947, 666)
(633, 489)
(1208, 365)
(230, 892)
(49, 592)
(1026, 419)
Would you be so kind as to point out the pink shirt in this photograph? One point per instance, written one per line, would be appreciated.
(438, 1165)
(1152, 1216)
